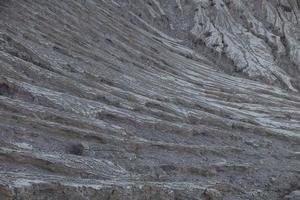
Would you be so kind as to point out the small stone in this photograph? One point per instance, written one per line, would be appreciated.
(267, 143)
(272, 179)
(77, 149)
(251, 143)
(4, 89)
(212, 194)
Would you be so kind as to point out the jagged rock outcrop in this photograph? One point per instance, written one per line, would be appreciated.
(149, 99)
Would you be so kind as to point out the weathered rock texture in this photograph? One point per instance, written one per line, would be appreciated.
(149, 99)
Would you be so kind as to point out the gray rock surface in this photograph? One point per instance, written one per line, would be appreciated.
(295, 195)
(149, 99)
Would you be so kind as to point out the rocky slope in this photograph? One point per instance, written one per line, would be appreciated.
(149, 99)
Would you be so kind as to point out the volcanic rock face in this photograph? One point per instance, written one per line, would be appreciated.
(149, 99)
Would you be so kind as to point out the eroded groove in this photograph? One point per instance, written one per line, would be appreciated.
(156, 99)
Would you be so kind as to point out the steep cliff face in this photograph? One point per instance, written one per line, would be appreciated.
(149, 99)
(260, 38)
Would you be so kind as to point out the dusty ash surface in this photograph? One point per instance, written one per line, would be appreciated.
(149, 99)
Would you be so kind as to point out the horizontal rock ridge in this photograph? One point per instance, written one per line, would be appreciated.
(149, 99)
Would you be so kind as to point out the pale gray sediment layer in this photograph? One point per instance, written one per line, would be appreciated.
(149, 99)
